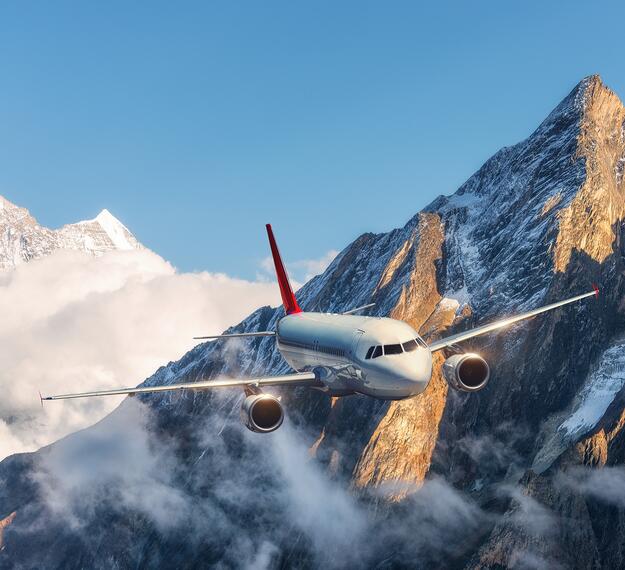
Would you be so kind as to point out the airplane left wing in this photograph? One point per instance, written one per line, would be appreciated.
(456, 338)
(297, 379)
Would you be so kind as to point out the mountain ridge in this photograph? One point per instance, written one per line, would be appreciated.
(539, 221)
(22, 238)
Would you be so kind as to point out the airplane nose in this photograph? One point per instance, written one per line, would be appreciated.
(416, 368)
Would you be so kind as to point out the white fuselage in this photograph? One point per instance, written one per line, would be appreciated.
(343, 349)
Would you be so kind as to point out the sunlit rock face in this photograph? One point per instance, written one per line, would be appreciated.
(526, 473)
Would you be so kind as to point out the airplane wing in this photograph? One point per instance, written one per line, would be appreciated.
(297, 379)
(456, 338)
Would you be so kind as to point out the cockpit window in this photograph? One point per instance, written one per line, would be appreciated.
(369, 352)
(410, 345)
(392, 349)
(421, 342)
(377, 352)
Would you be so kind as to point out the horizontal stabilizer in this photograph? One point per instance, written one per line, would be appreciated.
(352, 311)
(235, 335)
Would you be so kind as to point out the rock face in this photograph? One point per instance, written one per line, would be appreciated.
(527, 473)
(23, 239)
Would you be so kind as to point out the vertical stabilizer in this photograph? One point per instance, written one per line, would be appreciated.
(288, 298)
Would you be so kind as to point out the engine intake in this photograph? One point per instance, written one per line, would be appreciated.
(466, 372)
(262, 413)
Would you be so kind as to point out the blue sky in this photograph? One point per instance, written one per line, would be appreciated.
(196, 123)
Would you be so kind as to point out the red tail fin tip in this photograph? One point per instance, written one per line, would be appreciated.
(288, 298)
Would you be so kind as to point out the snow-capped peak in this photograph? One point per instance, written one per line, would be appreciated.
(117, 231)
(106, 216)
(23, 239)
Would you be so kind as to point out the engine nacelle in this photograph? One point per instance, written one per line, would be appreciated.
(466, 372)
(262, 413)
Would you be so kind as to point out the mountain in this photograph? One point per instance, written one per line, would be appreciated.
(528, 473)
(23, 239)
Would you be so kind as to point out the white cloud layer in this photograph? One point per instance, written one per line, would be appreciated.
(123, 464)
(70, 322)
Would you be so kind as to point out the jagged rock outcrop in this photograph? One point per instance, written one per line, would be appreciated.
(505, 476)
(5, 522)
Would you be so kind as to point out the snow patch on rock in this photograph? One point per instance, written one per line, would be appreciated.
(598, 393)
(604, 382)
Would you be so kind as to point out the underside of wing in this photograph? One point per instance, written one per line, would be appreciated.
(297, 379)
(460, 337)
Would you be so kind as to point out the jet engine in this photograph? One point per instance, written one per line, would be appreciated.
(467, 372)
(262, 413)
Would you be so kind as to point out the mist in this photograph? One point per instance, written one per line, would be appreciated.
(251, 500)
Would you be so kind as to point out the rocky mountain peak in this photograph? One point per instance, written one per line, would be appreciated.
(586, 224)
(578, 98)
(12, 214)
(23, 239)
(593, 86)
(539, 221)
(118, 233)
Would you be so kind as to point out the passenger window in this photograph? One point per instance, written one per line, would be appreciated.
(377, 351)
(369, 352)
(410, 345)
(392, 349)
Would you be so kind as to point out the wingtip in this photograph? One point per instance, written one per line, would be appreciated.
(596, 288)
(40, 398)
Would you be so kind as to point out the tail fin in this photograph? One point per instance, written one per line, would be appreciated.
(288, 298)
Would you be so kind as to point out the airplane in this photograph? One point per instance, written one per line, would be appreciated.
(343, 354)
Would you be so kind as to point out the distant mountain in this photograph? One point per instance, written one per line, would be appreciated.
(23, 239)
(527, 473)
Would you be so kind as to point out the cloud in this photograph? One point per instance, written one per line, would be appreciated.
(113, 461)
(605, 484)
(494, 452)
(528, 514)
(321, 508)
(261, 501)
(253, 504)
(71, 322)
(300, 271)
(305, 269)
(121, 465)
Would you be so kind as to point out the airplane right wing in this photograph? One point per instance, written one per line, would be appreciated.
(297, 379)
(456, 338)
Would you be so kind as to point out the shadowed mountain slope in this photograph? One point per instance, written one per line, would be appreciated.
(527, 473)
